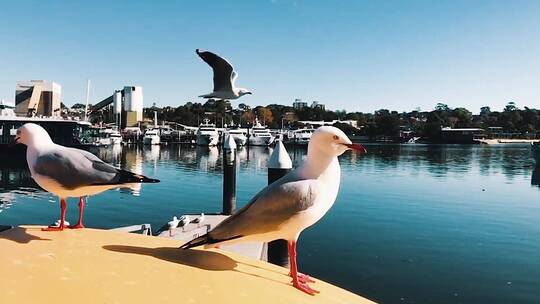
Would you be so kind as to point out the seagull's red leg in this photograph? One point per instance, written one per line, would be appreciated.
(62, 218)
(81, 211)
(298, 282)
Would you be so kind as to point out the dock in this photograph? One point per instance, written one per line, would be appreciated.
(194, 230)
(103, 266)
(505, 141)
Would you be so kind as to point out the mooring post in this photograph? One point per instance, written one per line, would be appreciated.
(229, 175)
(279, 164)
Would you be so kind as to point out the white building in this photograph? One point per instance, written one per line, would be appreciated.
(319, 123)
(317, 105)
(299, 104)
(133, 105)
(38, 98)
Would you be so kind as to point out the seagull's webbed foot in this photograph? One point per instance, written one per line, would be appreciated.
(303, 286)
(304, 278)
(78, 226)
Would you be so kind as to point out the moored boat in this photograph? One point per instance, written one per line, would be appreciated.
(239, 136)
(207, 134)
(151, 137)
(300, 137)
(259, 135)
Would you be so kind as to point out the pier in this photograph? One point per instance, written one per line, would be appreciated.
(103, 266)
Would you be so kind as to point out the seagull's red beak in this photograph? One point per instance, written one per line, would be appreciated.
(356, 147)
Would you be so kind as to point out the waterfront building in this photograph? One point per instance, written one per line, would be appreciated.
(319, 123)
(126, 106)
(461, 135)
(38, 98)
(317, 105)
(299, 104)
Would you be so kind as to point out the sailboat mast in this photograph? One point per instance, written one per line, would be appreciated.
(87, 98)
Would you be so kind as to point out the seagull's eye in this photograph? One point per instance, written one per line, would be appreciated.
(336, 137)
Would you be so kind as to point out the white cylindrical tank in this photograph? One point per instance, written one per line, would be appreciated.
(133, 99)
(117, 102)
(127, 98)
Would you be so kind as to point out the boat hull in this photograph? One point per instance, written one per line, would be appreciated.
(240, 140)
(151, 140)
(261, 141)
(207, 140)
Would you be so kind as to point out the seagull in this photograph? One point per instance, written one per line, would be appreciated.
(173, 224)
(69, 172)
(294, 202)
(199, 219)
(224, 77)
(183, 221)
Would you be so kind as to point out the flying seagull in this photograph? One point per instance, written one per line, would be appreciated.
(224, 77)
(289, 205)
(69, 172)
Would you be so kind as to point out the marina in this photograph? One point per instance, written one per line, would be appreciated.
(348, 152)
(401, 253)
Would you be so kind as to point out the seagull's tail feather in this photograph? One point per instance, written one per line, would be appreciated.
(130, 177)
(126, 177)
(204, 240)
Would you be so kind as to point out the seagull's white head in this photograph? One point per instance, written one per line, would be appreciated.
(243, 92)
(332, 142)
(32, 134)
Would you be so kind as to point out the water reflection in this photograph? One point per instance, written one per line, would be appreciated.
(535, 177)
(16, 181)
(439, 161)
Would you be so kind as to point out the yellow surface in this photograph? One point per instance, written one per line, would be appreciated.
(100, 266)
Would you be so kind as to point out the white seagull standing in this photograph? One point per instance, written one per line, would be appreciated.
(69, 172)
(224, 77)
(291, 204)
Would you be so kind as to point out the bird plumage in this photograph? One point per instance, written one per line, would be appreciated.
(224, 77)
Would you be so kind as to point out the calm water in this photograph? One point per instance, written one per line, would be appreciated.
(412, 223)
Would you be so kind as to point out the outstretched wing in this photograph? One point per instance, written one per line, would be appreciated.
(224, 74)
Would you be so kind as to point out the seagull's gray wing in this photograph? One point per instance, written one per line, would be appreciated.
(73, 168)
(269, 208)
(223, 70)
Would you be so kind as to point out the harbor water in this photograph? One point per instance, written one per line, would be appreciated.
(411, 224)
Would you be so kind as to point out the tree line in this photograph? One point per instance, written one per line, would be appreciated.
(381, 123)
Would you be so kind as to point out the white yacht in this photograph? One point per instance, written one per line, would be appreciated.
(151, 137)
(109, 136)
(300, 137)
(260, 135)
(239, 136)
(207, 134)
(116, 137)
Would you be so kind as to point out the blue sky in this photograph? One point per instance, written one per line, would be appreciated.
(353, 55)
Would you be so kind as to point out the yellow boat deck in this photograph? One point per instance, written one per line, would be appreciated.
(100, 266)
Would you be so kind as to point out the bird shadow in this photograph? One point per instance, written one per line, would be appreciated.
(20, 235)
(207, 260)
(202, 259)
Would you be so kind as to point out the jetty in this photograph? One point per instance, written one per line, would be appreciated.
(505, 141)
(104, 266)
